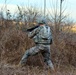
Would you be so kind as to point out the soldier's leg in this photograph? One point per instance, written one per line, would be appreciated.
(47, 59)
(31, 51)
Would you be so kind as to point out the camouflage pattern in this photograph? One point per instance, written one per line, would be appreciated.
(36, 35)
(45, 51)
(42, 46)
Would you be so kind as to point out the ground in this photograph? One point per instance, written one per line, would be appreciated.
(34, 70)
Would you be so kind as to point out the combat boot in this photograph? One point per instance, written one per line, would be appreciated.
(20, 65)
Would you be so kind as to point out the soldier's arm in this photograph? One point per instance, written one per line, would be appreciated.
(33, 33)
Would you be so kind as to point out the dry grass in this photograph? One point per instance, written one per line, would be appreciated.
(13, 44)
(30, 70)
(71, 28)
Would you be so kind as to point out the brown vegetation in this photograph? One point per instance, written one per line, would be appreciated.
(13, 44)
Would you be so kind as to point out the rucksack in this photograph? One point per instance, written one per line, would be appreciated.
(45, 32)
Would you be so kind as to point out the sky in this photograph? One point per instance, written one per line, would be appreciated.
(68, 5)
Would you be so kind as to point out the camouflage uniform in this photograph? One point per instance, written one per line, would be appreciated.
(42, 46)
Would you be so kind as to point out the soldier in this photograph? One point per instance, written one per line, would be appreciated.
(42, 38)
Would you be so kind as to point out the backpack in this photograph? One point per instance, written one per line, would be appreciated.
(45, 33)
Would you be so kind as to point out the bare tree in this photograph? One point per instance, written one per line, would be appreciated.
(27, 15)
(57, 14)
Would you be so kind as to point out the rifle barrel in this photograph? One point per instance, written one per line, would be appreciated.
(31, 29)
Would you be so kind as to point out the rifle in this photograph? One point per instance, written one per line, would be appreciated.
(30, 29)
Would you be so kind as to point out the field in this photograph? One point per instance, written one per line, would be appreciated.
(13, 44)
